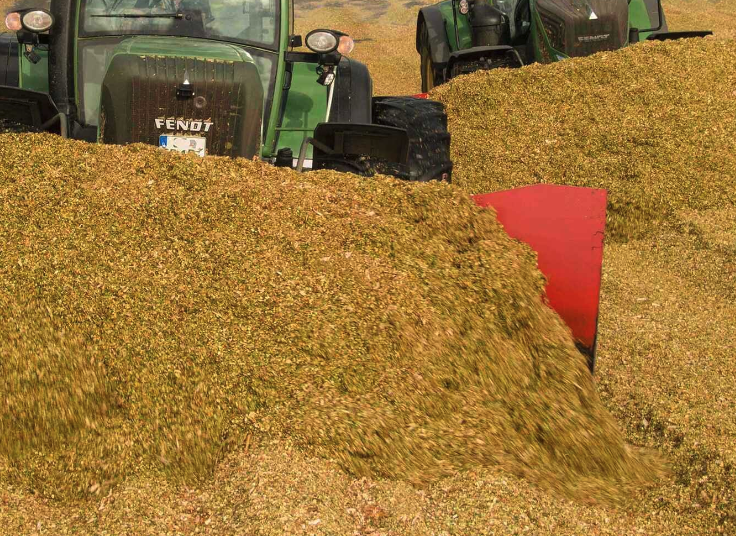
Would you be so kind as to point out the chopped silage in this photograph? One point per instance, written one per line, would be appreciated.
(648, 406)
(654, 124)
(389, 326)
(667, 373)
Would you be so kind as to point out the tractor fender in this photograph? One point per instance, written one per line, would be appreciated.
(9, 62)
(352, 100)
(439, 47)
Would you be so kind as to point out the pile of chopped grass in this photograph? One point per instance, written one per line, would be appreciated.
(53, 387)
(667, 369)
(719, 16)
(180, 304)
(654, 124)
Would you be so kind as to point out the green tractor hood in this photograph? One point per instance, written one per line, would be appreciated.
(196, 94)
(182, 47)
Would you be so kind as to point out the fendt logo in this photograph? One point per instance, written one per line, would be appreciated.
(190, 125)
(593, 38)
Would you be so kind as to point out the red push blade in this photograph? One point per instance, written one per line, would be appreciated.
(565, 226)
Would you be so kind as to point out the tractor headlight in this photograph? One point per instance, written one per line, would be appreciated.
(12, 21)
(37, 20)
(322, 41)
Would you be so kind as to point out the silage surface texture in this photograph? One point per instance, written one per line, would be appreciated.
(654, 124)
(157, 309)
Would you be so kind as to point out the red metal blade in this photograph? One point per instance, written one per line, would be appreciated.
(565, 226)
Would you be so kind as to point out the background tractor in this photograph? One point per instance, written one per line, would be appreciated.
(457, 37)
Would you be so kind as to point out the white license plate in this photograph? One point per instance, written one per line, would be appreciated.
(183, 144)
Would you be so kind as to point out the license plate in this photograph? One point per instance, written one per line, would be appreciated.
(183, 144)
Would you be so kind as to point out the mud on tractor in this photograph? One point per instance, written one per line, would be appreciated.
(457, 37)
(224, 77)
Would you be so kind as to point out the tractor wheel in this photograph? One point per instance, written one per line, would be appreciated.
(431, 77)
(429, 141)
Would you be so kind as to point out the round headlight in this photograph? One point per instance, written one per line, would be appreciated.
(321, 41)
(12, 22)
(37, 21)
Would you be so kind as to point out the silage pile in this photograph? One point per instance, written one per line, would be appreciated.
(654, 124)
(157, 311)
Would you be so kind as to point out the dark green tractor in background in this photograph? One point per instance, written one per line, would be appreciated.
(457, 37)
(219, 77)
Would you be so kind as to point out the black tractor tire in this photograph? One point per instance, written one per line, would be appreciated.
(425, 122)
(353, 91)
(431, 76)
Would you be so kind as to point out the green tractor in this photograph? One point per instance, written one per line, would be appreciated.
(457, 37)
(226, 77)
(217, 77)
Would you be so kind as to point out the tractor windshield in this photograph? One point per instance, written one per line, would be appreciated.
(253, 22)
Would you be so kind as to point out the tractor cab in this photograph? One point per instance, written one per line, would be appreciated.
(194, 27)
(253, 25)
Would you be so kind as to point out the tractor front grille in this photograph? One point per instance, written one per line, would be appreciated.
(584, 27)
(593, 36)
(142, 100)
(216, 100)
